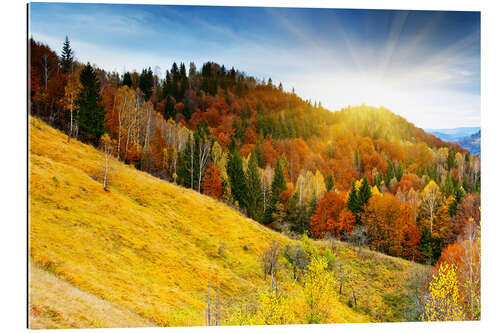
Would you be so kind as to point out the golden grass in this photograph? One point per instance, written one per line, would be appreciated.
(147, 245)
(55, 303)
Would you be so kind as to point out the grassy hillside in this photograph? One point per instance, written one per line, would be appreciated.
(147, 246)
(55, 303)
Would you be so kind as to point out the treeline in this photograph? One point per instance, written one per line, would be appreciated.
(361, 174)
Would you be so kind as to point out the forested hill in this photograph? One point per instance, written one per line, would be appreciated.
(287, 163)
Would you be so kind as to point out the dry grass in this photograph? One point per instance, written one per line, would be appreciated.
(147, 245)
(55, 303)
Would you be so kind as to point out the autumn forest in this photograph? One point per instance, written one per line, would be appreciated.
(361, 177)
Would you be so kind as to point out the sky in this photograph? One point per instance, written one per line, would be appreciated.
(422, 65)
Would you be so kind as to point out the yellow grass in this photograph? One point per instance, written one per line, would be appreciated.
(147, 245)
(55, 303)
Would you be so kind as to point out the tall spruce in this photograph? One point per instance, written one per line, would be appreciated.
(91, 112)
(254, 198)
(365, 192)
(127, 80)
(146, 82)
(237, 178)
(352, 200)
(67, 56)
(277, 187)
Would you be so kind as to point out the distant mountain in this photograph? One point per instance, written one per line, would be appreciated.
(453, 134)
(472, 143)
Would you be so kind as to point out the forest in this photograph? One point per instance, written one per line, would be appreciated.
(360, 175)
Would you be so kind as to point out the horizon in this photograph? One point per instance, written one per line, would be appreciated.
(422, 65)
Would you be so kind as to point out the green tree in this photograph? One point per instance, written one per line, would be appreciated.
(127, 80)
(365, 192)
(90, 110)
(237, 178)
(329, 182)
(146, 82)
(66, 56)
(254, 194)
(278, 185)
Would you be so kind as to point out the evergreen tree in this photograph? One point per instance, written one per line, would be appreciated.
(170, 111)
(329, 182)
(186, 160)
(237, 178)
(146, 83)
(254, 198)
(127, 79)
(66, 56)
(365, 192)
(277, 187)
(352, 200)
(91, 112)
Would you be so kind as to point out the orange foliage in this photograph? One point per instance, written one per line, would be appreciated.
(211, 183)
(331, 216)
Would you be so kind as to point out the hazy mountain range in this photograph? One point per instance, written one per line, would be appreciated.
(467, 137)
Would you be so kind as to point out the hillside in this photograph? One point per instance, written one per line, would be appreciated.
(148, 246)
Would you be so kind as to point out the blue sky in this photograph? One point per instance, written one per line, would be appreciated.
(422, 65)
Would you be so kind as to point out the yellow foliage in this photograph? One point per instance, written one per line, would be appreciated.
(444, 302)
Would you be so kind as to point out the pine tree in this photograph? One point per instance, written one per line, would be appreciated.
(127, 80)
(352, 200)
(277, 187)
(365, 192)
(237, 178)
(91, 112)
(329, 182)
(66, 56)
(146, 83)
(254, 189)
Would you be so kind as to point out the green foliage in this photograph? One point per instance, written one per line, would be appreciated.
(127, 80)
(90, 110)
(329, 182)
(254, 198)
(237, 178)
(146, 83)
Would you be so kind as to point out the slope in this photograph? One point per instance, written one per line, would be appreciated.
(55, 303)
(149, 247)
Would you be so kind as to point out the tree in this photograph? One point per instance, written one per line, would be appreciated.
(278, 185)
(127, 80)
(270, 260)
(331, 216)
(382, 216)
(329, 182)
(66, 56)
(212, 184)
(237, 178)
(319, 289)
(146, 83)
(431, 198)
(107, 147)
(444, 302)
(254, 189)
(91, 112)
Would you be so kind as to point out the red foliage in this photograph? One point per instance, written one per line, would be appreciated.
(331, 216)
(211, 183)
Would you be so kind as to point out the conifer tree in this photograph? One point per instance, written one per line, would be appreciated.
(91, 112)
(278, 185)
(365, 192)
(66, 56)
(127, 80)
(254, 195)
(329, 182)
(146, 83)
(237, 178)
(352, 201)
